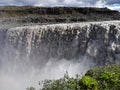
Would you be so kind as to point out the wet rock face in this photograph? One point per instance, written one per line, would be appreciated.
(2, 36)
(2, 41)
(100, 42)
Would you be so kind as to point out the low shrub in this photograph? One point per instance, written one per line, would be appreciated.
(88, 83)
(100, 78)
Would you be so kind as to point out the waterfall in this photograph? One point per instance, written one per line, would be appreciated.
(54, 49)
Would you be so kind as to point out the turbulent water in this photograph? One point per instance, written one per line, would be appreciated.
(32, 53)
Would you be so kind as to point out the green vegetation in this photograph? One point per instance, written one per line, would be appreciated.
(108, 77)
(88, 83)
(30, 88)
(100, 78)
(65, 83)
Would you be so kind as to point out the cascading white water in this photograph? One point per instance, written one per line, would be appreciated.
(32, 53)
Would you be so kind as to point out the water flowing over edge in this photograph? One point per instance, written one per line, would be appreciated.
(32, 53)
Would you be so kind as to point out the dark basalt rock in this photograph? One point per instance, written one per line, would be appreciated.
(29, 14)
(100, 42)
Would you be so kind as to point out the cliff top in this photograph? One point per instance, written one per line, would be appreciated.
(12, 16)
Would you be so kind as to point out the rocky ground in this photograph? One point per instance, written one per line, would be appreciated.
(12, 16)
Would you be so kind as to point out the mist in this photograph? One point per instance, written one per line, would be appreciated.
(14, 79)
